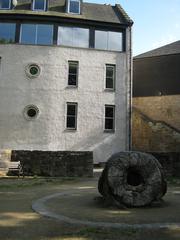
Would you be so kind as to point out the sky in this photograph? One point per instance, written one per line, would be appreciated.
(156, 22)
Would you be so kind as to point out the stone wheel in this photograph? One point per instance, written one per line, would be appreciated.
(132, 178)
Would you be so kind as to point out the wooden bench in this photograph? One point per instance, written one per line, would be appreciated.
(16, 167)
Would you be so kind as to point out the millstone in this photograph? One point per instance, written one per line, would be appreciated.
(133, 179)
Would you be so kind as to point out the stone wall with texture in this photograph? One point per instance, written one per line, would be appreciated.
(55, 163)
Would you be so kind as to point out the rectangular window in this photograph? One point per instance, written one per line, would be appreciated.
(7, 32)
(72, 36)
(73, 73)
(39, 5)
(109, 117)
(71, 121)
(36, 34)
(5, 4)
(74, 6)
(109, 40)
(110, 76)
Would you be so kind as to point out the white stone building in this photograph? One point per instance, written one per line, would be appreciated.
(65, 77)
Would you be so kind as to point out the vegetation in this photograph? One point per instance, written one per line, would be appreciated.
(5, 41)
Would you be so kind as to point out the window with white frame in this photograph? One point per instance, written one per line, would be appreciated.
(74, 6)
(109, 118)
(41, 34)
(39, 5)
(71, 117)
(73, 73)
(110, 76)
(5, 4)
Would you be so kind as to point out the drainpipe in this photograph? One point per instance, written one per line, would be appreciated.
(130, 91)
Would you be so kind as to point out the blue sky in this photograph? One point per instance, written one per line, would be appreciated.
(156, 22)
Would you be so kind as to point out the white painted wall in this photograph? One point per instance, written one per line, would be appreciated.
(50, 93)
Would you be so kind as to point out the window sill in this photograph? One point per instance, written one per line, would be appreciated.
(39, 10)
(109, 90)
(70, 130)
(72, 87)
(109, 131)
(5, 9)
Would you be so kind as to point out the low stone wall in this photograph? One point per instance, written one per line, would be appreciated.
(170, 162)
(55, 164)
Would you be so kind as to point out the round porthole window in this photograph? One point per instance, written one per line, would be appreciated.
(31, 112)
(33, 70)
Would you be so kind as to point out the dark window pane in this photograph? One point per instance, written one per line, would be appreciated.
(73, 73)
(74, 6)
(71, 110)
(71, 116)
(5, 4)
(71, 122)
(72, 80)
(109, 124)
(33, 70)
(109, 112)
(31, 112)
(39, 4)
(109, 117)
(44, 34)
(109, 83)
(28, 34)
(7, 32)
(109, 71)
(110, 77)
(73, 68)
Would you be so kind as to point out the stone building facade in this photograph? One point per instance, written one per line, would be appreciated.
(65, 75)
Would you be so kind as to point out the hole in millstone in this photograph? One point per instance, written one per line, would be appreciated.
(134, 177)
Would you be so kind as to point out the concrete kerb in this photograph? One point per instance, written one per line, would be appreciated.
(39, 206)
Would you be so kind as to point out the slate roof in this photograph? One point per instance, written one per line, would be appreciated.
(89, 11)
(172, 48)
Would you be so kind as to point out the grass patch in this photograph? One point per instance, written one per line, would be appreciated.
(13, 182)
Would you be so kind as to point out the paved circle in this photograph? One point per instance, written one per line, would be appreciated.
(60, 206)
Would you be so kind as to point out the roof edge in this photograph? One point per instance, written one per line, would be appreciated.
(154, 52)
(125, 15)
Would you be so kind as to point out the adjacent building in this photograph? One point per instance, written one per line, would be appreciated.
(156, 104)
(65, 77)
